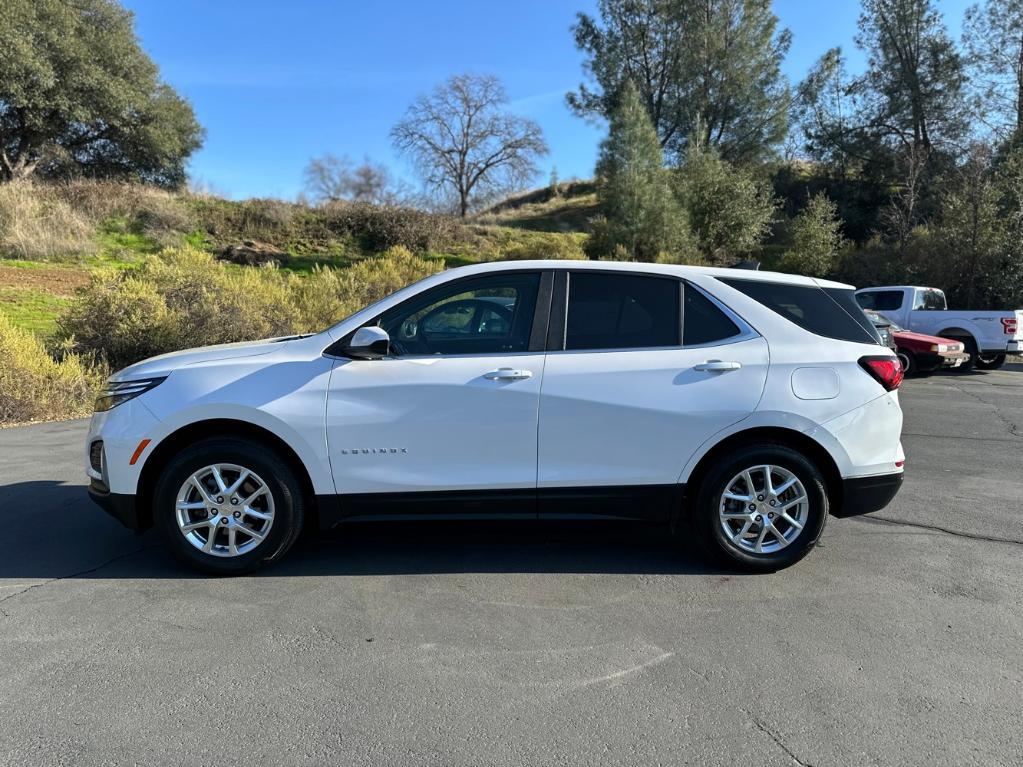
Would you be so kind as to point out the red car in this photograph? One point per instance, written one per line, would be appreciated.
(919, 353)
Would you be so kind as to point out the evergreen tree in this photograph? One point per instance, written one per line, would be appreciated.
(993, 39)
(715, 64)
(816, 239)
(910, 97)
(729, 207)
(641, 218)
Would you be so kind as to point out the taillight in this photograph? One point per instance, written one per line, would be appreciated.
(887, 371)
(1010, 324)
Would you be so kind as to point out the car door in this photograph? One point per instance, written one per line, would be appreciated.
(451, 415)
(641, 370)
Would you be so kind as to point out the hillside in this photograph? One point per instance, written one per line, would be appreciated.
(55, 238)
(569, 208)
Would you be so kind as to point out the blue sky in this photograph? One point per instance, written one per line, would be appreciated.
(278, 83)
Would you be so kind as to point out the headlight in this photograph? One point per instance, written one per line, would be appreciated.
(941, 348)
(122, 391)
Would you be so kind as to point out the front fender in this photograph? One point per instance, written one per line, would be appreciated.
(311, 452)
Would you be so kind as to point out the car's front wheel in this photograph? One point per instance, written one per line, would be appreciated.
(761, 509)
(228, 506)
(990, 361)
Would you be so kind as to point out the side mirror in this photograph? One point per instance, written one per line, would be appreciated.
(368, 343)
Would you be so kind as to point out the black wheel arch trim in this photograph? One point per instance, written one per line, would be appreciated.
(226, 428)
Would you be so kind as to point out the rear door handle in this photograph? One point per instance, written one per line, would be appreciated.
(508, 374)
(717, 365)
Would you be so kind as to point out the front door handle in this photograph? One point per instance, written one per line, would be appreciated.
(508, 374)
(717, 365)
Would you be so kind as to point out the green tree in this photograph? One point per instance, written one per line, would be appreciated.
(914, 72)
(707, 65)
(729, 208)
(79, 96)
(816, 239)
(971, 235)
(993, 39)
(641, 218)
(910, 97)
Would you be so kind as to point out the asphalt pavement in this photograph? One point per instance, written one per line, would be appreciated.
(898, 641)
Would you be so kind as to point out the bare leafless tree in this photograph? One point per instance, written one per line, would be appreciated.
(329, 178)
(903, 214)
(465, 145)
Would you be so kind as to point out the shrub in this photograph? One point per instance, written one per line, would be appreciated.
(226, 221)
(816, 239)
(378, 228)
(181, 299)
(151, 211)
(120, 317)
(729, 208)
(539, 246)
(329, 295)
(34, 223)
(34, 386)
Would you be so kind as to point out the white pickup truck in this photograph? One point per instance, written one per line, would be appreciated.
(987, 336)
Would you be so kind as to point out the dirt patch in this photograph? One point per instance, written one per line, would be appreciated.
(59, 281)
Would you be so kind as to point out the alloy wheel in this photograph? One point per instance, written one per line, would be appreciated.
(225, 510)
(763, 509)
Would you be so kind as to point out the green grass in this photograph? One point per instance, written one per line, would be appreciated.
(31, 309)
(540, 211)
(534, 225)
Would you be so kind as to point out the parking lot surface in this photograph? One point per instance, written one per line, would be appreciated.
(898, 641)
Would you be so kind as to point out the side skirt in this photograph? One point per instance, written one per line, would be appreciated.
(650, 503)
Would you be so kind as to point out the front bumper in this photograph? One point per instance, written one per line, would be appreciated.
(862, 495)
(953, 359)
(120, 506)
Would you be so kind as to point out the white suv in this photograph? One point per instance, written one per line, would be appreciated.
(737, 407)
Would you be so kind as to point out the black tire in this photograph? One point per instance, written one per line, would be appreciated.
(909, 365)
(990, 362)
(280, 480)
(706, 511)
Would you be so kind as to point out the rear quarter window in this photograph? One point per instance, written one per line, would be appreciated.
(828, 312)
(880, 300)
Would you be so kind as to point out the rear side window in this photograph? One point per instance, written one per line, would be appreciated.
(829, 312)
(619, 311)
(880, 300)
(702, 321)
(930, 300)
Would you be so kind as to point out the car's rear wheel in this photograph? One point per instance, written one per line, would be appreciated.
(228, 506)
(761, 509)
(989, 361)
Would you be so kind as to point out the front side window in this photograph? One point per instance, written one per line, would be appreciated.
(487, 315)
(612, 310)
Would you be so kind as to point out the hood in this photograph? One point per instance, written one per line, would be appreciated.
(923, 338)
(165, 363)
